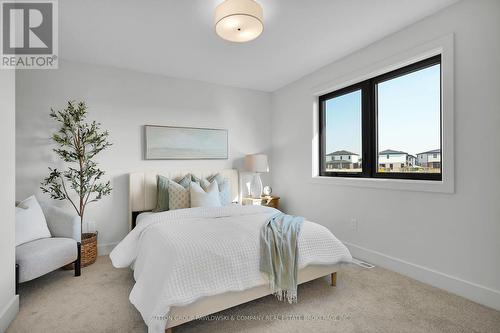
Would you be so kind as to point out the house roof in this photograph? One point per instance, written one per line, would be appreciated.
(391, 152)
(341, 152)
(435, 151)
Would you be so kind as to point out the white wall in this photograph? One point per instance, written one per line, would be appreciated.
(393, 158)
(349, 158)
(422, 158)
(9, 303)
(457, 245)
(123, 101)
(431, 158)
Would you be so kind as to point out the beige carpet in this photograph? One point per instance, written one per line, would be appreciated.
(365, 300)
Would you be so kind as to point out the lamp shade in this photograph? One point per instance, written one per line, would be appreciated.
(256, 163)
(239, 20)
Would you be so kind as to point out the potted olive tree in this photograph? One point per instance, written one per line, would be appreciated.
(78, 143)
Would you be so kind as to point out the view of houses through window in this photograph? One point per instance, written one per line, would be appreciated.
(405, 132)
(409, 112)
(343, 133)
(389, 161)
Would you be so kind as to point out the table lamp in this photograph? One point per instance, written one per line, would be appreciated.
(256, 163)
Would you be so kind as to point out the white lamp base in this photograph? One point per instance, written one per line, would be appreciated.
(256, 186)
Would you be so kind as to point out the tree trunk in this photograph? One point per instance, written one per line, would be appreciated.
(81, 151)
(81, 222)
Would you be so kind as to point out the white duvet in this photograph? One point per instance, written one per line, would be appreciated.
(182, 255)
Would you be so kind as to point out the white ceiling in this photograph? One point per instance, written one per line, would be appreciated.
(176, 37)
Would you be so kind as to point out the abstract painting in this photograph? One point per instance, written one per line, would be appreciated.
(185, 143)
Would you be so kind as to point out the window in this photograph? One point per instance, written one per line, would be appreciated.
(389, 118)
(342, 131)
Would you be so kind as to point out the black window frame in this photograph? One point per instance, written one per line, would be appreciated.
(369, 125)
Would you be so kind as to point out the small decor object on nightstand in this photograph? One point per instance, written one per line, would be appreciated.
(268, 190)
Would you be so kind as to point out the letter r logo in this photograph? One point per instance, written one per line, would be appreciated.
(27, 27)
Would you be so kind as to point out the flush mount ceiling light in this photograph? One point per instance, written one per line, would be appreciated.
(239, 20)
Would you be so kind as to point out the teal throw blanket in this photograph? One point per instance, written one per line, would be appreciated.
(279, 254)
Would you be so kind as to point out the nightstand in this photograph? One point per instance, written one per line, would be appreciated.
(268, 201)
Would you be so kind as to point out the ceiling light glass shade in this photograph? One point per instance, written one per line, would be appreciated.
(239, 20)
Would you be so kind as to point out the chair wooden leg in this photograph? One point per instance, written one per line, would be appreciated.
(334, 279)
(78, 260)
(17, 279)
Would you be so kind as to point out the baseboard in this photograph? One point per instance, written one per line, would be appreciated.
(8, 313)
(105, 249)
(470, 290)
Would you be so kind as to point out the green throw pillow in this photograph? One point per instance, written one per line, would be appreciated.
(162, 191)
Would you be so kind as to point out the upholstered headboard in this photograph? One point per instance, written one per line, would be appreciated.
(142, 187)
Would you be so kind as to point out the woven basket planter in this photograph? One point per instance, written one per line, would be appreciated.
(89, 248)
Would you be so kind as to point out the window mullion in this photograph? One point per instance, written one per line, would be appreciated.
(366, 131)
(372, 87)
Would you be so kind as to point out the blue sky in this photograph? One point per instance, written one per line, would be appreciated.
(343, 123)
(408, 115)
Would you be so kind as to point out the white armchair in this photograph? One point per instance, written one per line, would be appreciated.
(62, 223)
(41, 256)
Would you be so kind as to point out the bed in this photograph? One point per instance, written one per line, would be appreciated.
(190, 263)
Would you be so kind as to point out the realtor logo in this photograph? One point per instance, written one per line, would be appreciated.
(29, 34)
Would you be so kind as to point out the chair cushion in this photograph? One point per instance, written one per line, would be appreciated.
(30, 222)
(44, 255)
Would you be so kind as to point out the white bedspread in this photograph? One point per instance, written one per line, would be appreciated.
(182, 255)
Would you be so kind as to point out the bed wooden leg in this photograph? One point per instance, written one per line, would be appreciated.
(334, 279)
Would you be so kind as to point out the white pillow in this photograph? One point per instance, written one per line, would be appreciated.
(200, 198)
(30, 222)
(225, 193)
(224, 188)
